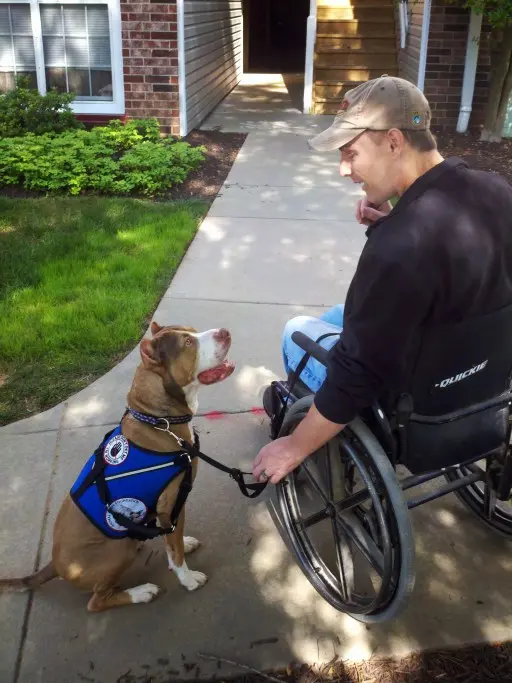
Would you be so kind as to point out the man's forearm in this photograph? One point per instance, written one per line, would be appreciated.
(314, 431)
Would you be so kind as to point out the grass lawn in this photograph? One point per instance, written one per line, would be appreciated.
(79, 280)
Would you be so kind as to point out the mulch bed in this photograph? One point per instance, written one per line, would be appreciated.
(221, 152)
(484, 156)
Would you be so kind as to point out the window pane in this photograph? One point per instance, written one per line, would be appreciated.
(6, 55)
(99, 51)
(24, 51)
(56, 78)
(17, 55)
(54, 51)
(78, 80)
(76, 52)
(97, 20)
(51, 20)
(4, 20)
(74, 21)
(76, 43)
(20, 18)
(101, 82)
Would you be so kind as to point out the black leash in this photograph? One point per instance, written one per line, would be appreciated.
(248, 490)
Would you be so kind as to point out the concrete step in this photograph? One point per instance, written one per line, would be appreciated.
(355, 28)
(352, 4)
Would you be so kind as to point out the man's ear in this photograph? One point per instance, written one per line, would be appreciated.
(148, 354)
(396, 141)
(155, 328)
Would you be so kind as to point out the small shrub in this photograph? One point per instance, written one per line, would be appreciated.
(113, 159)
(23, 110)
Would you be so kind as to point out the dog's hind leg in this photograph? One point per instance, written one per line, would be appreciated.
(27, 583)
(103, 600)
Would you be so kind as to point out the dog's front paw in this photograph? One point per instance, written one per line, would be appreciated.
(147, 592)
(190, 544)
(193, 580)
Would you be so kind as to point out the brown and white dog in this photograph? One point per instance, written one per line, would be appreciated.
(176, 361)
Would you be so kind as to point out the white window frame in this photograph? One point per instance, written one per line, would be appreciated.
(117, 104)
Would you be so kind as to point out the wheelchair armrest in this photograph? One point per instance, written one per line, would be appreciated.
(307, 344)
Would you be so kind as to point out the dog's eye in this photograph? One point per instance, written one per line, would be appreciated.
(188, 341)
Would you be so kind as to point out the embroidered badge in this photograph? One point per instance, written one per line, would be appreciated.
(416, 118)
(133, 508)
(116, 450)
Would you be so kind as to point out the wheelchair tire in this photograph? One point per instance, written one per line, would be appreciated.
(387, 531)
(473, 497)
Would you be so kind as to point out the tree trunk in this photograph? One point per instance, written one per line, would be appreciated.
(499, 91)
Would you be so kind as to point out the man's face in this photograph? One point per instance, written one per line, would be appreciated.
(369, 160)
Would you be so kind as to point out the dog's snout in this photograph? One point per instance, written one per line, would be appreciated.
(222, 335)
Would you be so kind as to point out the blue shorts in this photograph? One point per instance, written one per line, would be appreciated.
(314, 373)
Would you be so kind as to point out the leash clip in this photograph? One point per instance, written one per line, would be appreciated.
(167, 429)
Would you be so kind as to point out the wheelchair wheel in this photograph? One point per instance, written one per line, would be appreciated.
(481, 499)
(346, 520)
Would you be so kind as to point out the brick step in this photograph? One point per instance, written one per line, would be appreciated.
(355, 44)
(356, 29)
(365, 13)
(354, 73)
(337, 58)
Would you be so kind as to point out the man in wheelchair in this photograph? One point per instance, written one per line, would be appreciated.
(427, 312)
(414, 369)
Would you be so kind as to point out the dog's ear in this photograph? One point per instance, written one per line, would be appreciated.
(155, 328)
(149, 355)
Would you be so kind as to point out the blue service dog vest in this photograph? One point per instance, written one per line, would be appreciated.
(127, 480)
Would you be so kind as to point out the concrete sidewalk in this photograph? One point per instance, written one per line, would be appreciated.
(279, 240)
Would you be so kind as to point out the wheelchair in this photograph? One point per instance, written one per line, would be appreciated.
(344, 513)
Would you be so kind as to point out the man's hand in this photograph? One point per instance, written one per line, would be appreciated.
(277, 459)
(366, 213)
(283, 455)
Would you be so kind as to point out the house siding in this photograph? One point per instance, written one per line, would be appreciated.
(213, 54)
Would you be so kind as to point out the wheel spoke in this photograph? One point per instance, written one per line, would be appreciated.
(362, 540)
(311, 520)
(344, 562)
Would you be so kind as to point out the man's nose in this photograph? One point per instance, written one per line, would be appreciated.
(345, 169)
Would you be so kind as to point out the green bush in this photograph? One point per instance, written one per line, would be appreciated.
(113, 159)
(23, 110)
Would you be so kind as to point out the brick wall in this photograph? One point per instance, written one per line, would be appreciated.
(445, 66)
(150, 58)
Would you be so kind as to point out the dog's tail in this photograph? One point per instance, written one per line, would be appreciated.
(28, 583)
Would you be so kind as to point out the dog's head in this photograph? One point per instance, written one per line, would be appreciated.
(182, 356)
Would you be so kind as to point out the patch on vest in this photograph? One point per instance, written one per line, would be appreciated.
(116, 450)
(133, 508)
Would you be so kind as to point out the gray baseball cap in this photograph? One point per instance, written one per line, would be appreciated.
(380, 104)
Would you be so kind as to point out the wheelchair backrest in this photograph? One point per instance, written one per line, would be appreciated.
(463, 364)
(457, 403)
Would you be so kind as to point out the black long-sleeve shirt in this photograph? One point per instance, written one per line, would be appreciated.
(443, 254)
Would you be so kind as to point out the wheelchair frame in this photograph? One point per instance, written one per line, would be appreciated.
(378, 543)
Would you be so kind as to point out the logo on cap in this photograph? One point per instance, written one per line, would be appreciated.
(344, 106)
(416, 118)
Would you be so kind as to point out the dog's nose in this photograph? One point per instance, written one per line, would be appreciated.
(222, 335)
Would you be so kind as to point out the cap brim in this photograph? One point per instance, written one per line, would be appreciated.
(333, 138)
